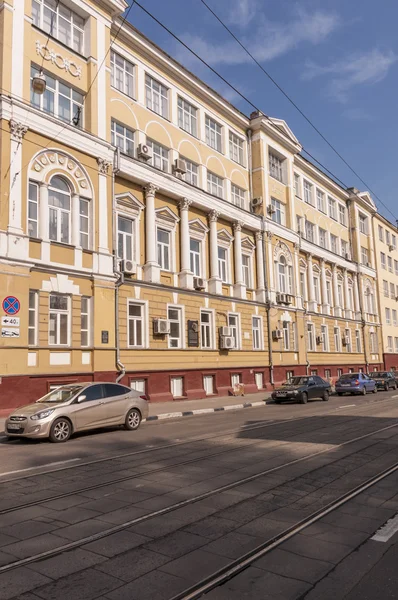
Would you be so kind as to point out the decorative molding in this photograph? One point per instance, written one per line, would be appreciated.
(103, 166)
(18, 130)
(198, 226)
(237, 225)
(259, 236)
(61, 284)
(165, 214)
(127, 200)
(213, 216)
(58, 60)
(48, 160)
(282, 249)
(150, 189)
(184, 204)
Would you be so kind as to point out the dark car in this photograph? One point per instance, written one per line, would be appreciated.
(355, 383)
(384, 380)
(303, 388)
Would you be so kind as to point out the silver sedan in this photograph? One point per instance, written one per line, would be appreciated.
(78, 407)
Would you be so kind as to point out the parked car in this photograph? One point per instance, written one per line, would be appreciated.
(303, 388)
(77, 407)
(355, 383)
(384, 380)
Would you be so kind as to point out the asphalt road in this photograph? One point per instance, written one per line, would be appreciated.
(152, 513)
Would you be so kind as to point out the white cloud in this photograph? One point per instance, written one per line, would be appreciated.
(367, 68)
(356, 114)
(268, 40)
(243, 12)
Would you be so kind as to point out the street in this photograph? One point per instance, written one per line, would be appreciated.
(165, 512)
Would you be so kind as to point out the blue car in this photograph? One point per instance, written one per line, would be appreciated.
(355, 383)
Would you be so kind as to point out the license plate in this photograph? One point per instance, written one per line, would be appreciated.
(345, 385)
(13, 426)
(282, 393)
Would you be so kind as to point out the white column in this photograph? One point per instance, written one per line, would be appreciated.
(215, 283)
(337, 309)
(347, 299)
(239, 286)
(151, 267)
(296, 278)
(260, 293)
(15, 195)
(325, 303)
(76, 220)
(186, 275)
(312, 304)
(105, 261)
(101, 79)
(44, 222)
(357, 306)
(17, 48)
(271, 267)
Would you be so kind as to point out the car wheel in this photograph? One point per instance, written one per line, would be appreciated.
(386, 388)
(304, 398)
(394, 386)
(60, 431)
(133, 419)
(339, 393)
(325, 396)
(364, 391)
(374, 389)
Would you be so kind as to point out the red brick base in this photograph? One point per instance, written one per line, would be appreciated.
(391, 362)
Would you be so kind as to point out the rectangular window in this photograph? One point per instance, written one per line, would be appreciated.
(174, 316)
(308, 187)
(208, 384)
(396, 344)
(381, 233)
(322, 238)
(309, 231)
(139, 385)
(206, 329)
(276, 166)
(358, 340)
(195, 257)
(58, 100)
(238, 196)
(347, 335)
(320, 198)
(388, 316)
(160, 158)
(337, 339)
(396, 267)
(223, 264)
(157, 96)
(33, 210)
(289, 375)
(385, 288)
(388, 238)
(164, 249)
(329, 292)
(187, 119)
(233, 323)
(342, 214)
(333, 243)
(339, 372)
(215, 185)
(325, 338)
(135, 325)
(303, 287)
(235, 379)
(394, 241)
(297, 186)
(364, 256)
(247, 270)
(257, 333)
(389, 262)
(192, 174)
(123, 138)
(286, 335)
(213, 134)
(59, 320)
(389, 343)
(332, 208)
(373, 343)
(394, 317)
(392, 290)
(85, 321)
(177, 387)
(124, 238)
(328, 374)
(60, 22)
(84, 206)
(33, 312)
(363, 224)
(59, 208)
(235, 148)
(259, 380)
(344, 248)
(294, 336)
(279, 212)
(383, 260)
(122, 74)
(311, 337)
(317, 290)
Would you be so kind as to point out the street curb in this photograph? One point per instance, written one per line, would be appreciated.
(203, 411)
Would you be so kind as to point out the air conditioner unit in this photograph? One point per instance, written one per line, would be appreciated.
(346, 340)
(225, 331)
(227, 342)
(161, 326)
(277, 334)
(256, 202)
(199, 283)
(391, 247)
(179, 167)
(289, 299)
(318, 340)
(128, 267)
(144, 152)
(271, 209)
(281, 298)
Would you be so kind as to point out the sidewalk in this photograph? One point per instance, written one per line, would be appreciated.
(186, 408)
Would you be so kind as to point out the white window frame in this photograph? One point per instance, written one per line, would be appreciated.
(337, 339)
(156, 96)
(320, 200)
(257, 333)
(123, 138)
(311, 337)
(322, 237)
(224, 261)
(389, 264)
(86, 312)
(347, 334)
(53, 89)
(143, 318)
(126, 237)
(187, 115)
(215, 184)
(33, 203)
(385, 289)
(297, 185)
(213, 134)
(334, 243)
(394, 317)
(210, 327)
(192, 174)
(390, 342)
(181, 321)
(332, 205)
(342, 215)
(284, 280)
(126, 72)
(236, 148)
(238, 196)
(276, 165)
(161, 246)
(308, 188)
(392, 291)
(396, 344)
(33, 310)
(247, 270)
(58, 313)
(310, 231)
(325, 337)
(365, 255)
(59, 212)
(388, 316)
(363, 223)
(286, 335)
(358, 342)
(77, 24)
(160, 156)
(195, 257)
(235, 328)
(279, 215)
(85, 224)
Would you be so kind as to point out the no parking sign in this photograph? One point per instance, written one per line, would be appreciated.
(11, 305)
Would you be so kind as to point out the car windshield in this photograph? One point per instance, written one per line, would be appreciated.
(376, 375)
(62, 394)
(349, 377)
(297, 381)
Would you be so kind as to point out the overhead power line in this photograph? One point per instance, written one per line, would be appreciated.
(250, 103)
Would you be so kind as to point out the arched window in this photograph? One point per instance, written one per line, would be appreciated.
(59, 204)
(282, 274)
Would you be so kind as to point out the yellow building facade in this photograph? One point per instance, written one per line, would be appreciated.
(151, 232)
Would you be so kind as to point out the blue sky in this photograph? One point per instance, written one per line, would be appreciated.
(338, 60)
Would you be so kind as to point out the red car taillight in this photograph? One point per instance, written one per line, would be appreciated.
(143, 397)
(356, 382)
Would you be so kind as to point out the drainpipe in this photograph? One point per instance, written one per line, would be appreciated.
(267, 308)
(120, 276)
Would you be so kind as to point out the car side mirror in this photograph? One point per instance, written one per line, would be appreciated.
(81, 398)
(311, 383)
